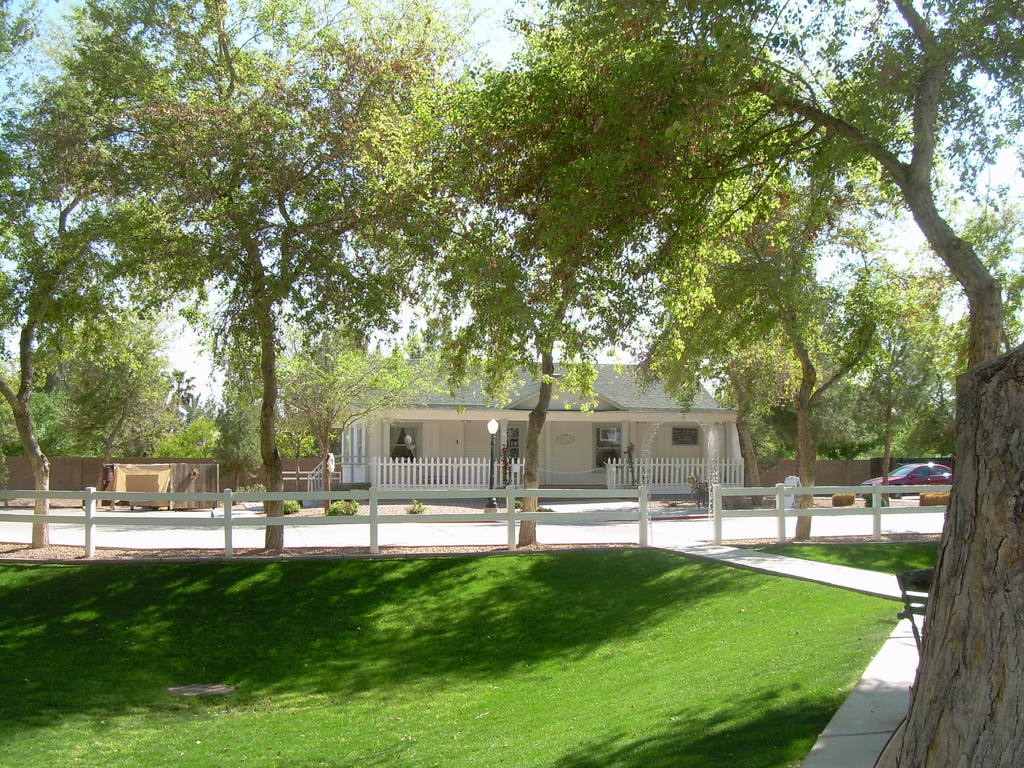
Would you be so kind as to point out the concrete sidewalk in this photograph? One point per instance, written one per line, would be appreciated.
(854, 579)
(862, 726)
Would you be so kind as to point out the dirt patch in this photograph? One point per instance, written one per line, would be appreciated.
(67, 554)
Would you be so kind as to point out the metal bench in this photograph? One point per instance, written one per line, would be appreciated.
(914, 588)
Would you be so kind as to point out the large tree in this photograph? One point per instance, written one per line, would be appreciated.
(329, 385)
(265, 136)
(59, 210)
(909, 89)
(754, 378)
(906, 363)
(118, 386)
(541, 222)
(758, 282)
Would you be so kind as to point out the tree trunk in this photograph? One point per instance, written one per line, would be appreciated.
(108, 450)
(22, 414)
(752, 472)
(41, 475)
(40, 466)
(806, 448)
(534, 425)
(969, 694)
(984, 295)
(272, 464)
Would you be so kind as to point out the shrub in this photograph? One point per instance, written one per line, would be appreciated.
(843, 499)
(345, 507)
(292, 507)
(934, 499)
(416, 508)
(255, 488)
(868, 502)
(519, 503)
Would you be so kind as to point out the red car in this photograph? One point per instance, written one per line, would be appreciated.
(916, 474)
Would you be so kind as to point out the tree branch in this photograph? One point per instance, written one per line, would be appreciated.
(926, 107)
(917, 24)
(897, 169)
(851, 362)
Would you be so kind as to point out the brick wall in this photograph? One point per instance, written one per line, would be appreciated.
(73, 473)
(827, 472)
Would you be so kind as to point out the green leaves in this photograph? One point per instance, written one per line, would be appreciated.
(328, 385)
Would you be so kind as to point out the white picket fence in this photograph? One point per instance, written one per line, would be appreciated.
(785, 494)
(226, 500)
(438, 472)
(671, 474)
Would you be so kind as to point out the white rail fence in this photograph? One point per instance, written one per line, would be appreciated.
(438, 472)
(673, 474)
(227, 499)
(782, 508)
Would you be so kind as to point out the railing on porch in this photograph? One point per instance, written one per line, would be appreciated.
(671, 474)
(348, 469)
(438, 472)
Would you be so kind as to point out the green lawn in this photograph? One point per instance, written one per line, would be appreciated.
(582, 659)
(886, 558)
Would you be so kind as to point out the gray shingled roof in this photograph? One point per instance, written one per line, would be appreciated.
(617, 383)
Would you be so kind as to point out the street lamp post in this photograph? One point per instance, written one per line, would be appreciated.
(492, 429)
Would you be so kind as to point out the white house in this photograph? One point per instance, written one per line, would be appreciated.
(446, 444)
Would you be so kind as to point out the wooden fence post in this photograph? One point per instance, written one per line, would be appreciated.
(645, 515)
(90, 509)
(780, 512)
(229, 545)
(716, 511)
(876, 513)
(510, 510)
(374, 546)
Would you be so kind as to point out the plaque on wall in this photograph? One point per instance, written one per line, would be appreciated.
(684, 435)
(565, 439)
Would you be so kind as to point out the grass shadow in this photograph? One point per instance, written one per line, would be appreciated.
(759, 731)
(109, 639)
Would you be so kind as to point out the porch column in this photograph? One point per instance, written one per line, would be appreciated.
(731, 440)
(502, 443)
(713, 450)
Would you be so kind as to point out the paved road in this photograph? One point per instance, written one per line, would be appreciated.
(663, 532)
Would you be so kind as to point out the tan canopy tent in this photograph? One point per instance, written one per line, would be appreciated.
(147, 478)
(180, 477)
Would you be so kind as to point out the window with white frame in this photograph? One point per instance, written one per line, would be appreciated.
(607, 445)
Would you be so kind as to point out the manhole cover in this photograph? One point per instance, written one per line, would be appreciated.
(200, 690)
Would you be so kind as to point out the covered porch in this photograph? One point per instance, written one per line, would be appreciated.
(579, 449)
